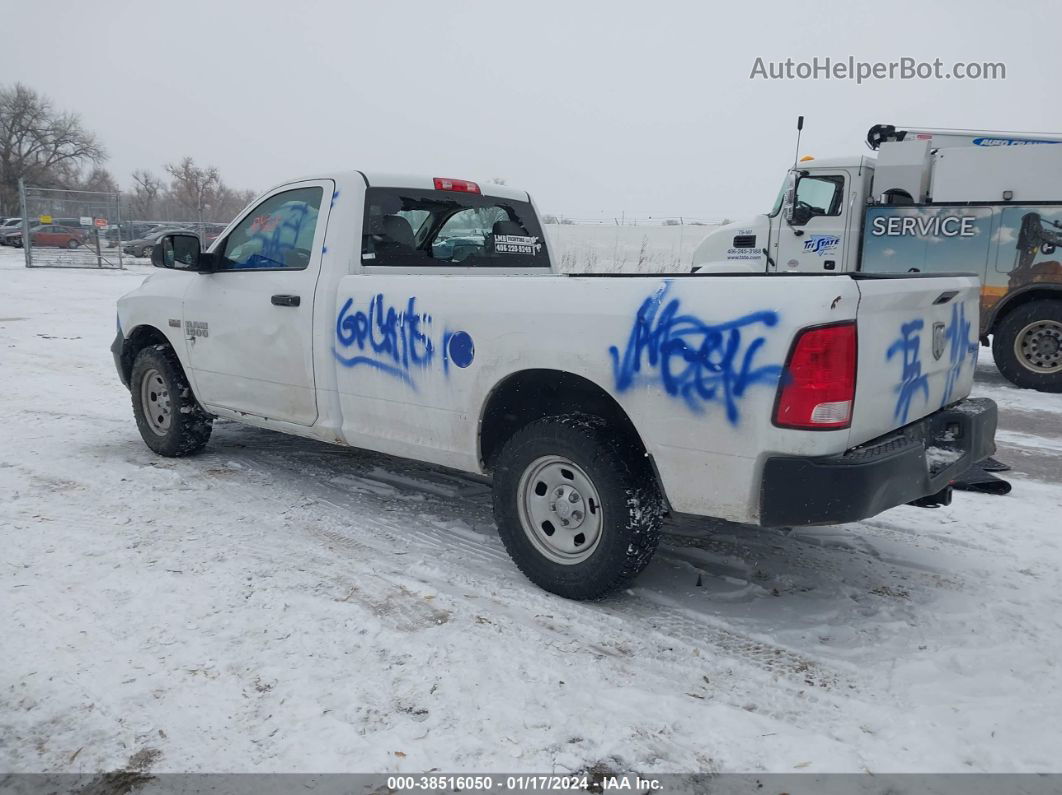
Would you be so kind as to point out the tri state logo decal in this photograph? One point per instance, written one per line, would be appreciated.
(821, 244)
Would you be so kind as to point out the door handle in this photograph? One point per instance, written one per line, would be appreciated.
(829, 264)
(285, 300)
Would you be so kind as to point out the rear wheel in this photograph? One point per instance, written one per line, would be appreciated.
(1027, 345)
(170, 420)
(577, 506)
(72, 243)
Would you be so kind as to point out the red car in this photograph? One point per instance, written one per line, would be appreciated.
(57, 236)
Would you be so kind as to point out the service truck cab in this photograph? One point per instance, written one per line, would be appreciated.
(931, 201)
(424, 317)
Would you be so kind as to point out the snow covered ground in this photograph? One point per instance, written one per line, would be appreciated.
(608, 248)
(277, 604)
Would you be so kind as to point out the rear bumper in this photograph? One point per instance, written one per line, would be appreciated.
(881, 474)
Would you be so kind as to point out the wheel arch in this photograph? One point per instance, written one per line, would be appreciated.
(139, 338)
(528, 395)
(1020, 297)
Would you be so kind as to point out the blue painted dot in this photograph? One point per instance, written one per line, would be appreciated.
(461, 348)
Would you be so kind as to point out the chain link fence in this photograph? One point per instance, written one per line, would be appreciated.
(84, 229)
(68, 228)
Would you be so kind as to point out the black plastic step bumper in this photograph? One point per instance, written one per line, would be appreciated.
(881, 474)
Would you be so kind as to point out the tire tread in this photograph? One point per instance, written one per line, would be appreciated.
(190, 426)
(610, 453)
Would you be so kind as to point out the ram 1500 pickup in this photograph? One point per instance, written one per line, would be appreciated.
(425, 318)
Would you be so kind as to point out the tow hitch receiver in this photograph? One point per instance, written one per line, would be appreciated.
(938, 500)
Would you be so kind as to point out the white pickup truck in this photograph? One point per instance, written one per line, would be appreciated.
(425, 318)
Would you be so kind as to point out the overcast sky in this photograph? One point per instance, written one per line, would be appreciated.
(595, 108)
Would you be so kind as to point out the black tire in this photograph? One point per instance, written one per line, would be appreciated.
(72, 244)
(1020, 369)
(188, 428)
(630, 503)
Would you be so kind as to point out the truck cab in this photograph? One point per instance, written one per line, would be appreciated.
(931, 201)
(814, 226)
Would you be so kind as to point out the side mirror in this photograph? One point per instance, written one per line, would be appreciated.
(789, 199)
(180, 252)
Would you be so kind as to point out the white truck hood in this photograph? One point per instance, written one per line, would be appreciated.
(734, 248)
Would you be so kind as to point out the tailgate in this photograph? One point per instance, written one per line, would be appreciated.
(918, 342)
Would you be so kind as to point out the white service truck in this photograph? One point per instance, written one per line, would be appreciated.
(931, 201)
(425, 318)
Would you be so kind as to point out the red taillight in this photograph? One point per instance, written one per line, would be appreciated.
(459, 185)
(818, 388)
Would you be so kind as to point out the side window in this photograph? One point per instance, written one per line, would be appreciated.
(818, 196)
(277, 234)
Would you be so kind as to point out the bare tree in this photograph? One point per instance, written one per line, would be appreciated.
(99, 179)
(193, 188)
(146, 190)
(230, 203)
(41, 145)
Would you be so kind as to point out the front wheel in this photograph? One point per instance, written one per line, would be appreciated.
(170, 420)
(1027, 345)
(577, 506)
(72, 244)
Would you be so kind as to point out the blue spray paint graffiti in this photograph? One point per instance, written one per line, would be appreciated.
(395, 342)
(960, 348)
(459, 348)
(388, 340)
(912, 379)
(697, 361)
(280, 239)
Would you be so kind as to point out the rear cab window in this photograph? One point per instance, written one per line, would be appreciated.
(417, 228)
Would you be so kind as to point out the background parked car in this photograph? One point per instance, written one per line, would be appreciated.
(55, 235)
(141, 247)
(213, 231)
(128, 231)
(47, 235)
(11, 237)
(7, 226)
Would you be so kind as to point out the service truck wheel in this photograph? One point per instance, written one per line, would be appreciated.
(577, 506)
(170, 420)
(1027, 345)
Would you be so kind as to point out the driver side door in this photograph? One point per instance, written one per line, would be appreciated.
(248, 325)
(815, 241)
